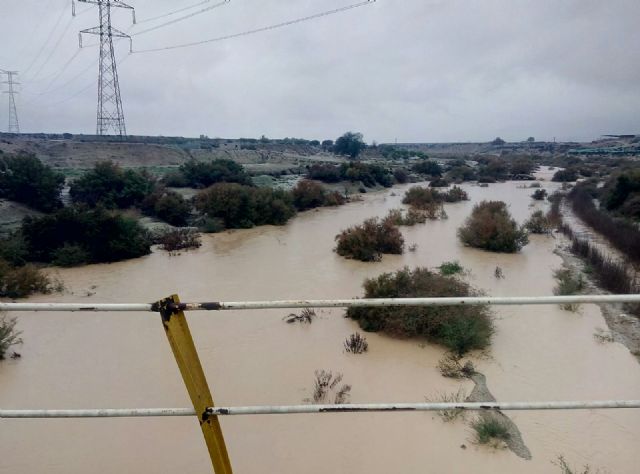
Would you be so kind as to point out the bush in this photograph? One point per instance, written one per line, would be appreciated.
(325, 173)
(565, 176)
(538, 223)
(239, 206)
(455, 397)
(307, 315)
(368, 241)
(8, 335)
(110, 186)
(180, 239)
(492, 228)
(568, 284)
(369, 175)
(622, 193)
(455, 194)
(451, 367)
(309, 194)
(539, 194)
(489, 429)
(459, 328)
(401, 176)
(25, 179)
(19, 282)
(425, 198)
(327, 388)
(167, 205)
(104, 236)
(201, 174)
(70, 255)
(410, 218)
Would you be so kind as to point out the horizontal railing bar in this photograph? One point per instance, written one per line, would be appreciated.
(338, 303)
(310, 409)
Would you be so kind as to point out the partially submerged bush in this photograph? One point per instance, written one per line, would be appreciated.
(459, 328)
(539, 194)
(568, 284)
(356, 344)
(450, 268)
(8, 335)
(239, 206)
(455, 194)
(489, 429)
(19, 282)
(424, 198)
(307, 315)
(327, 388)
(167, 205)
(453, 397)
(538, 223)
(368, 241)
(180, 239)
(408, 218)
(491, 227)
(103, 236)
(450, 366)
(309, 194)
(566, 469)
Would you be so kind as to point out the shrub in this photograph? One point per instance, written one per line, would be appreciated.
(105, 236)
(419, 197)
(401, 176)
(538, 223)
(324, 172)
(180, 239)
(455, 194)
(19, 282)
(202, 174)
(459, 328)
(451, 367)
(368, 174)
(8, 335)
(308, 195)
(167, 205)
(488, 429)
(356, 344)
(239, 206)
(25, 179)
(368, 241)
(565, 176)
(539, 194)
(110, 186)
(492, 228)
(450, 268)
(70, 255)
(622, 192)
(410, 218)
(327, 388)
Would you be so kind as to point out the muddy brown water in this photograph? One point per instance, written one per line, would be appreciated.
(252, 357)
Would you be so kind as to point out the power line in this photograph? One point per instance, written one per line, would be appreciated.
(259, 30)
(37, 56)
(55, 47)
(182, 18)
(164, 15)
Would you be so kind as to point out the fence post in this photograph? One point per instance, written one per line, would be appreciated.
(184, 350)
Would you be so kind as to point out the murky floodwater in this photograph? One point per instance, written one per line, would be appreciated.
(123, 360)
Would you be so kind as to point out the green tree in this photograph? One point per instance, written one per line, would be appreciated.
(350, 144)
(25, 179)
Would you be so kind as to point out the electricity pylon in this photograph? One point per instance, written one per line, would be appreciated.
(14, 126)
(110, 113)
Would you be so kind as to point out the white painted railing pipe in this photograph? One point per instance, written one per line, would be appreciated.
(338, 303)
(317, 409)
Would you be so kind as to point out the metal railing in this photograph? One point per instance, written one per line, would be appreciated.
(181, 342)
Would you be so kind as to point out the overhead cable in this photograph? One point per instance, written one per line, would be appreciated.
(182, 18)
(174, 12)
(258, 30)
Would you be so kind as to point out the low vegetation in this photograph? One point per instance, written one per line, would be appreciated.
(458, 328)
(356, 344)
(451, 366)
(368, 241)
(539, 194)
(8, 335)
(568, 284)
(451, 268)
(22, 281)
(565, 468)
(491, 227)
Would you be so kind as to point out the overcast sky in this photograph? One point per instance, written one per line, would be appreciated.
(411, 70)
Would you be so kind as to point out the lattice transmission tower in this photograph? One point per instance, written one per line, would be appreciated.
(14, 125)
(110, 114)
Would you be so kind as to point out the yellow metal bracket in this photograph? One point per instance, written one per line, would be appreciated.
(184, 350)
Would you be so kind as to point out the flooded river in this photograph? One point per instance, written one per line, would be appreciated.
(253, 358)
